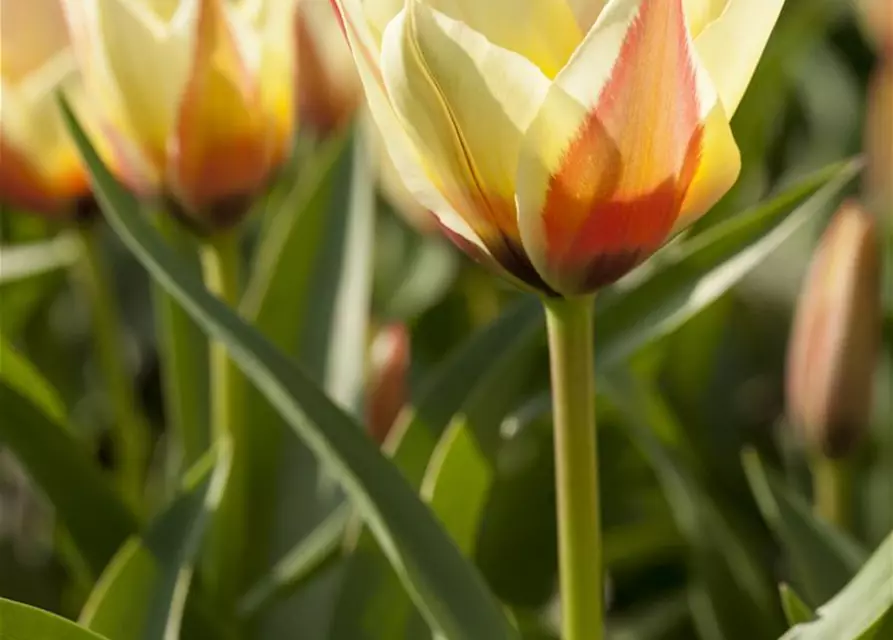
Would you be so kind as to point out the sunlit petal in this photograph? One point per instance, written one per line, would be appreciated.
(731, 45)
(456, 95)
(606, 164)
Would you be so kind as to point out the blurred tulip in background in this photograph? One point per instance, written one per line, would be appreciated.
(195, 97)
(39, 168)
(836, 336)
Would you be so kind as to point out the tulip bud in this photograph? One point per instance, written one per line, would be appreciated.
(386, 390)
(39, 167)
(836, 336)
(879, 139)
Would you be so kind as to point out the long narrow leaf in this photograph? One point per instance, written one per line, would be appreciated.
(822, 558)
(684, 278)
(862, 609)
(445, 586)
(89, 507)
(142, 593)
(21, 622)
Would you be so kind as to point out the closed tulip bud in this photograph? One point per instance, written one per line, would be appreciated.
(836, 336)
(329, 90)
(39, 167)
(879, 140)
(195, 96)
(562, 141)
(386, 389)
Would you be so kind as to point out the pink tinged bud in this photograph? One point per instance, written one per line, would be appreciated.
(836, 336)
(386, 390)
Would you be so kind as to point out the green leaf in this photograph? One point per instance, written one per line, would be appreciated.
(24, 377)
(446, 588)
(795, 610)
(442, 396)
(823, 559)
(861, 610)
(465, 381)
(300, 254)
(723, 555)
(21, 622)
(91, 510)
(142, 593)
(22, 261)
(685, 277)
(457, 484)
(306, 560)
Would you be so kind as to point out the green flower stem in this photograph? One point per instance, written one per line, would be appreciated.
(183, 356)
(221, 261)
(569, 323)
(130, 433)
(832, 491)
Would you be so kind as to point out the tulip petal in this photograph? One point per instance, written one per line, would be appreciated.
(135, 64)
(700, 13)
(731, 45)
(457, 96)
(39, 167)
(31, 33)
(606, 164)
(220, 148)
(409, 166)
(277, 70)
(545, 33)
(718, 166)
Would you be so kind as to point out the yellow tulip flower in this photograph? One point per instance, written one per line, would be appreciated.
(195, 96)
(39, 167)
(561, 140)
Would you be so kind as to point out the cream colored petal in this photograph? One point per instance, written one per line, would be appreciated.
(378, 14)
(136, 65)
(731, 45)
(700, 13)
(546, 33)
(400, 148)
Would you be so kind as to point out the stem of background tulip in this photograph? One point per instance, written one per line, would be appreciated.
(576, 467)
(832, 491)
(130, 436)
(183, 359)
(221, 261)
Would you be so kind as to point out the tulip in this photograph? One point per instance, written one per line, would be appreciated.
(560, 141)
(39, 167)
(836, 336)
(195, 96)
(329, 90)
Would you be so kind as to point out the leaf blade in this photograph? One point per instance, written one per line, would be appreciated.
(447, 589)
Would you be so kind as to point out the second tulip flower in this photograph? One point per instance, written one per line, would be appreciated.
(195, 97)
